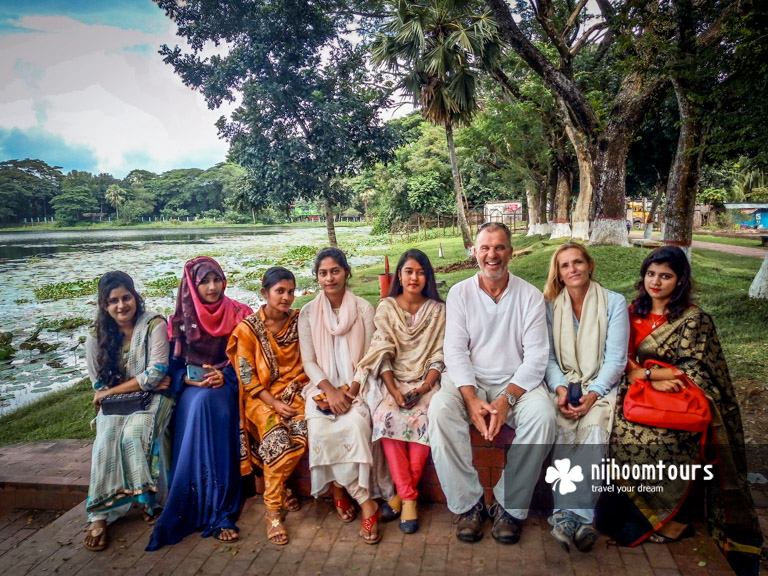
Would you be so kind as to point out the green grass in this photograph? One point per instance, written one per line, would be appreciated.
(63, 414)
(721, 285)
(747, 241)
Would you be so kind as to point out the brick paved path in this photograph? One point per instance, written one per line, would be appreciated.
(322, 545)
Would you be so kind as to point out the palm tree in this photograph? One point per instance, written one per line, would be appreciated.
(115, 196)
(438, 46)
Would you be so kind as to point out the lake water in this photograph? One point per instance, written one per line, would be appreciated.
(30, 260)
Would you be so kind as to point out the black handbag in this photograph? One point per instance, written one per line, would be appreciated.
(122, 404)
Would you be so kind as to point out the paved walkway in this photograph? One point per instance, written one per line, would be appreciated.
(727, 248)
(322, 545)
(33, 542)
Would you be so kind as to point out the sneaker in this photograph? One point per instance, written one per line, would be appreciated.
(469, 525)
(506, 528)
(564, 526)
(585, 537)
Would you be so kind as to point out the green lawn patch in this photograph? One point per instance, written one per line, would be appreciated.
(62, 414)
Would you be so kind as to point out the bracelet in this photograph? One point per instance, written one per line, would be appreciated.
(648, 374)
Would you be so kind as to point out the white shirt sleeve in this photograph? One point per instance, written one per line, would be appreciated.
(535, 344)
(456, 344)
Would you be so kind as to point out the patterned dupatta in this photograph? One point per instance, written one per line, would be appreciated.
(412, 350)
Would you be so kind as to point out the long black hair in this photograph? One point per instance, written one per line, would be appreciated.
(336, 255)
(109, 339)
(681, 295)
(430, 288)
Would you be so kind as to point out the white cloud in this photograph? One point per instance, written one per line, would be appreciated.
(105, 88)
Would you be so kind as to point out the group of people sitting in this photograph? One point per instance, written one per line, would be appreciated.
(373, 393)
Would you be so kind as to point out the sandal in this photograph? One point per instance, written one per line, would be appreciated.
(148, 516)
(368, 524)
(345, 510)
(99, 533)
(275, 528)
(290, 502)
(219, 532)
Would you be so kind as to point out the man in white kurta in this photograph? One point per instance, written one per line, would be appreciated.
(496, 351)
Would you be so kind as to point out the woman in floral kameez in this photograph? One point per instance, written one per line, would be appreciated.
(401, 372)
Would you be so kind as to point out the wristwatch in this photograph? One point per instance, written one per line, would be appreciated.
(648, 374)
(511, 399)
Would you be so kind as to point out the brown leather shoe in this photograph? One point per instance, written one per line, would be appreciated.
(469, 525)
(506, 528)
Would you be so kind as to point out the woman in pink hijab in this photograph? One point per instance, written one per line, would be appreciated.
(205, 475)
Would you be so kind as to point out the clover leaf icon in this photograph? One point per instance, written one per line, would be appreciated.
(562, 473)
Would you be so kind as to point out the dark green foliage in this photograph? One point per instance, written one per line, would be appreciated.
(26, 189)
(309, 104)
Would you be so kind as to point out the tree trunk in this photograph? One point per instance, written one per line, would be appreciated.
(533, 209)
(561, 195)
(661, 189)
(543, 226)
(581, 211)
(329, 223)
(466, 234)
(253, 214)
(684, 174)
(759, 287)
(610, 222)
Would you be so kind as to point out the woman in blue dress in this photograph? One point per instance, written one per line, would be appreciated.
(205, 476)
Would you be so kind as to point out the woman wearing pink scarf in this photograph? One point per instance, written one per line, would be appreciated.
(335, 330)
(205, 479)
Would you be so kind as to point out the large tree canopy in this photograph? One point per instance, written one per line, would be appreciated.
(308, 105)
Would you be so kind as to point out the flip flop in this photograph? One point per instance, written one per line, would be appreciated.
(368, 524)
(148, 518)
(96, 533)
(217, 534)
(344, 506)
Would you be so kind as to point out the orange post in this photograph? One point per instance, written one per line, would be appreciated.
(385, 280)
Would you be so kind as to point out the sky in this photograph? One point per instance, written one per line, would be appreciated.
(82, 86)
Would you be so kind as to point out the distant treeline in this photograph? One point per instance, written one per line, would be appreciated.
(31, 189)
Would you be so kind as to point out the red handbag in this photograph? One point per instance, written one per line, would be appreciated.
(684, 410)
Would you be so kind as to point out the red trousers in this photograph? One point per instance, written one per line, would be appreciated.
(406, 463)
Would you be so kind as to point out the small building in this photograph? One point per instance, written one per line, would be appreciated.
(745, 215)
(509, 212)
(307, 212)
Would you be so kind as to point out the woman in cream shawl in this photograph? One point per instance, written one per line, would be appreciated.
(589, 331)
(335, 330)
(401, 372)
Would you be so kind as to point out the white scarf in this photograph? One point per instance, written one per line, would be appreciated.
(580, 356)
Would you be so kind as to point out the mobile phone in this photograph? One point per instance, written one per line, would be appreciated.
(411, 396)
(196, 373)
(574, 394)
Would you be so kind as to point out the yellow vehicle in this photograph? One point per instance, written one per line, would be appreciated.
(636, 215)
